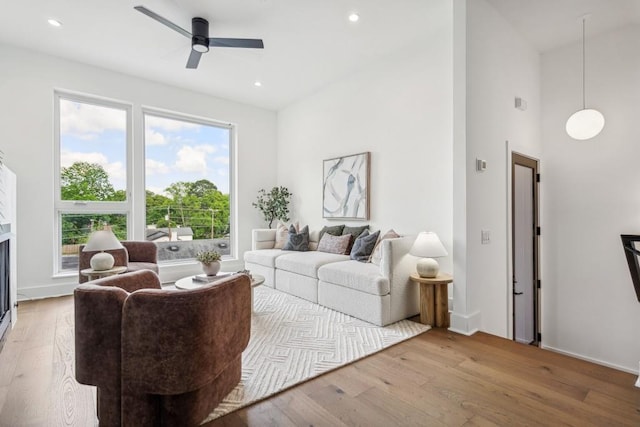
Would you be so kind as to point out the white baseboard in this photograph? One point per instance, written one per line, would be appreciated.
(593, 360)
(49, 291)
(465, 324)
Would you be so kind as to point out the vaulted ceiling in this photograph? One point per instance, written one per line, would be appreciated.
(308, 43)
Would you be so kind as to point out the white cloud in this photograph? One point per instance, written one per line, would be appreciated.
(116, 170)
(67, 158)
(193, 158)
(87, 121)
(155, 167)
(151, 137)
(221, 160)
(168, 124)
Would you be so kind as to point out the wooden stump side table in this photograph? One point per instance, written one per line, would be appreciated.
(99, 274)
(434, 299)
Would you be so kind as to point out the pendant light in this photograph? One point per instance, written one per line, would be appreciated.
(586, 123)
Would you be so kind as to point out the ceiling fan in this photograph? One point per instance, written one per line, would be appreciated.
(200, 40)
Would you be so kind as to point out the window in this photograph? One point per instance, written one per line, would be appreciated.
(93, 139)
(187, 183)
(181, 188)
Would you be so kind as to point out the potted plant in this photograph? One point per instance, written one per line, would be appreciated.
(273, 204)
(210, 261)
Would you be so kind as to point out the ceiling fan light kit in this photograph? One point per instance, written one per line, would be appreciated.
(586, 123)
(199, 35)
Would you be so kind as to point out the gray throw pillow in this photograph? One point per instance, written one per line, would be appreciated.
(355, 232)
(334, 230)
(297, 241)
(363, 246)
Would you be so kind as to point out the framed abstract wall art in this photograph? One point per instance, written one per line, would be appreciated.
(345, 187)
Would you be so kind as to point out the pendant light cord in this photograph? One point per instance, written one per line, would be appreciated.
(584, 103)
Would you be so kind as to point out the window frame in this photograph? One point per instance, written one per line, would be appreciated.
(62, 207)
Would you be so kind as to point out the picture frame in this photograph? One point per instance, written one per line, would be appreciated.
(345, 187)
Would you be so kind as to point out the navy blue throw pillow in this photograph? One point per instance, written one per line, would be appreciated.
(363, 246)
(297, 241)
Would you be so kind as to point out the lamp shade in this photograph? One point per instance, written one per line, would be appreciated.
(585, 124)
(428, 245)
(103, 240)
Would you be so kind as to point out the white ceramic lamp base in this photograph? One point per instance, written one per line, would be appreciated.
(427, 267)
(102, 261)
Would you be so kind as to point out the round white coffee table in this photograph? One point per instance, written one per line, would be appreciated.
(188, 283)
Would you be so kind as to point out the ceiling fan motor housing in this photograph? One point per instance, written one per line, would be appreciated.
(200, 35)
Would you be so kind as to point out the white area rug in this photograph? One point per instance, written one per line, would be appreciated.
(293, 340)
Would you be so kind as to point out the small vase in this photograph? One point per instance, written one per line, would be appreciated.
(211, 269)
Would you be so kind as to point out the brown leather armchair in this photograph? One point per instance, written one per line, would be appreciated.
(135, 255)
(160, 357)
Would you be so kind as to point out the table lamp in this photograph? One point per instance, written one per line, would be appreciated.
(427, 246)
(103, 240)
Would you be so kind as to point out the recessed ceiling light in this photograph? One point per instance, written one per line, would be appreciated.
(54, 23)
(257, 83)
(354, 17)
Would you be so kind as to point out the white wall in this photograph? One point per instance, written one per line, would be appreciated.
(592, 196)
(399, 109)
(500, 66)
(27, 83)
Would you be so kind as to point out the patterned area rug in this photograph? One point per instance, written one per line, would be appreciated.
(293, 340)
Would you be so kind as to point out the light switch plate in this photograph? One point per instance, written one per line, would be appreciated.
(486, 237)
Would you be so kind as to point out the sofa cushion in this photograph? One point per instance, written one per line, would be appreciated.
(334, 244)
(363, 246)
(314, 238)
(355, 232)
(266, 257)
(282, 234)
(376, 256)
(334, 230)
(307, 263)
(364, 277)
(298, 240)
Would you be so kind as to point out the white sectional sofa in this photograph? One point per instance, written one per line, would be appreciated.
(379, 294)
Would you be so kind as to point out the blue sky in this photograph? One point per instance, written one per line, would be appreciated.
(175, 150)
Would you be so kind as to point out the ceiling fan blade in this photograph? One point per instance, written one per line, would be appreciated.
(162, 20)
(194, 59)
(224, 42)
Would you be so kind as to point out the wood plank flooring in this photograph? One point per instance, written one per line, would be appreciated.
(435, 379)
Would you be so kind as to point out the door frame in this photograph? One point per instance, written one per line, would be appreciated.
(529, 162)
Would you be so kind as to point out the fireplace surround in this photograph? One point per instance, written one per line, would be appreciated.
(8, 265)
(5, 280)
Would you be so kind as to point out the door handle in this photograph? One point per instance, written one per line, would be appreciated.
(518, 293)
